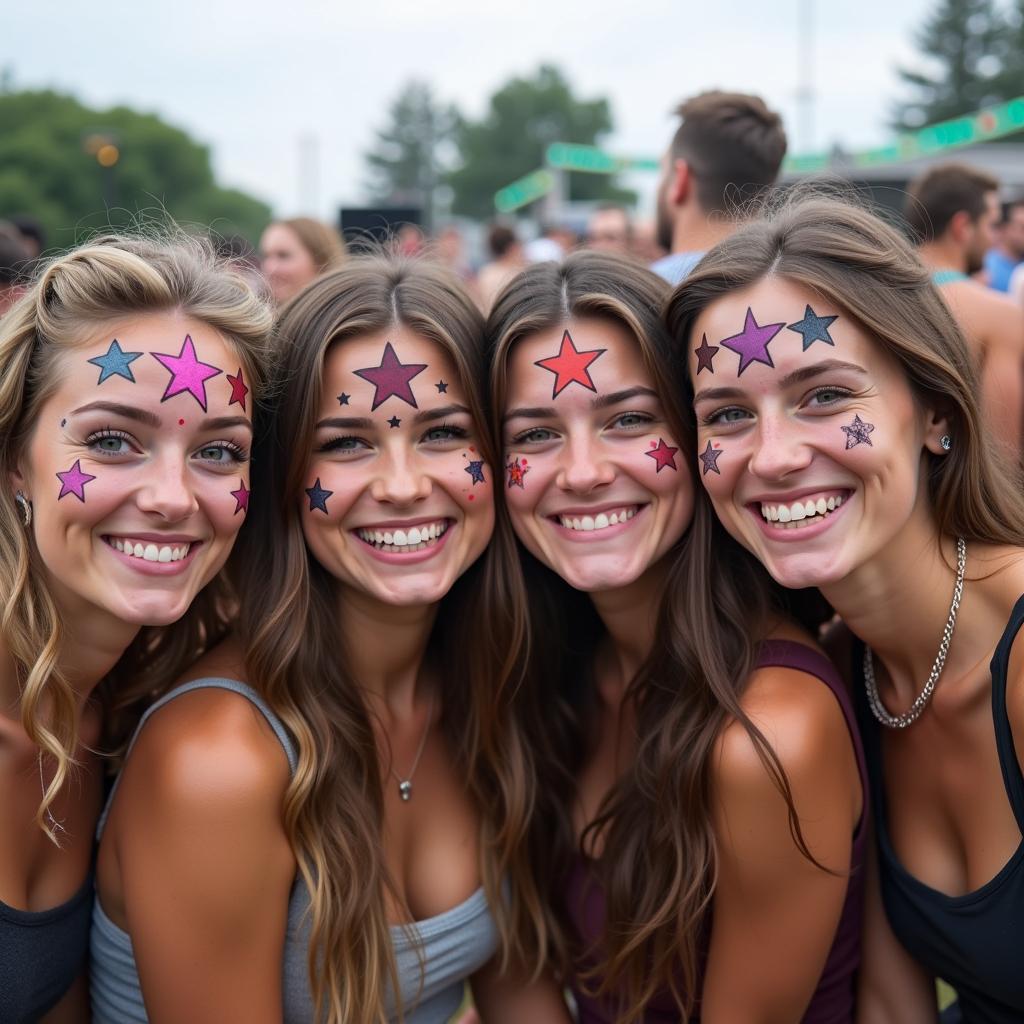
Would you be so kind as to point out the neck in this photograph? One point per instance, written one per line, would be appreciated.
(697, 231)
(943, 254)
(384, 648)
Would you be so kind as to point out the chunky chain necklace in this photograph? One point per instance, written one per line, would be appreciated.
(914, 711)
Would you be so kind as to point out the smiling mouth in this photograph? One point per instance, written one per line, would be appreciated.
(804, 511)
(148, 551)
(416, 538)
(601, 521)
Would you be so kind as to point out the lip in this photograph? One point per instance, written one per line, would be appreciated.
(593, 536)
(402, 524)
(802, 533)
(155, 538)
(144, 568)
(405, 557)
(786, 497)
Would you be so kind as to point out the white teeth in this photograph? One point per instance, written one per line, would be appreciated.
(139, 550)
(831, 504)
(820, 507)
(600, 521)
(590, 524)
(389, 538)
(400, 538)
(790, 515)
(784, 514)
(414, 539)
(613, 519)
(149, 552)
(413, 536)
(587, 522)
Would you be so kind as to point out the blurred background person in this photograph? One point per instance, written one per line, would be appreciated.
(610, 229)
(507, 259)
(32, 233)
(14, 261)
(294, 252)
(1007, 250)
(448, 248)
(727, 151)
(950, 211)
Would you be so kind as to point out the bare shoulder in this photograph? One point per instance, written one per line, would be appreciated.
(991, 312)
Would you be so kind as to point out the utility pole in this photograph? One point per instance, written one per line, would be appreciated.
(805, 94)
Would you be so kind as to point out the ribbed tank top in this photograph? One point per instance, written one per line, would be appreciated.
(452, 945)
(833, 999)
(975, 941)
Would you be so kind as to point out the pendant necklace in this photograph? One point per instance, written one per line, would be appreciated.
(405, 785)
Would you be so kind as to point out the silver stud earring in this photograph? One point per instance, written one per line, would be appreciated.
(946, 442)
(24, 507)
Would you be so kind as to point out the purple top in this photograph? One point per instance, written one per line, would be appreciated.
(833, 999)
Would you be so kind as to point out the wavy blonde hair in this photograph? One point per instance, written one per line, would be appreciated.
(75, 296)
(333, 808)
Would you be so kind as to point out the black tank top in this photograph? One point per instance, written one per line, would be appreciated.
(975, 941)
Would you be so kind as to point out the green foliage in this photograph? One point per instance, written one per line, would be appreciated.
(406, 161)
(523, 118)
(968, 47)
(48, 168)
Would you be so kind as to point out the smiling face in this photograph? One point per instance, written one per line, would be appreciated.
(138, 490)
(286, 263)
(399, 499)
(597, 488)
(811, 443)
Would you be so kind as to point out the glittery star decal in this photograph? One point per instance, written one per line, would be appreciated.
(663, 455)
(73, 481)
(318, 497)
(343, 398)
(392, 377)
(857, 433)
(814, 328)
(241, 497)
(710, 459)
(570, 366)
(187, 373)
(752, 342)
(516, 472)
(475, 469)
(238, 389)
(115, 363)
(442, 387)
(705, 354)
(394, 422)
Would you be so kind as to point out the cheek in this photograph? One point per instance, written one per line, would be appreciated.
(225, 499)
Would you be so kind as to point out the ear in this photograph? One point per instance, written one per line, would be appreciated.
(960, 225)
(681, 182)
(937, 426)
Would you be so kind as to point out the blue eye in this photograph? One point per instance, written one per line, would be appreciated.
(110, 442)
(222, 452)
(446, 432)
(632, 419)
(733, 414)
(343, 443)
(535, 435)
(829, 396)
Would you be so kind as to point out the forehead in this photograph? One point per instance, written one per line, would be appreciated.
(619, 362)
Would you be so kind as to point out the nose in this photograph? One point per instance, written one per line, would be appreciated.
(585, 466)
(166, 491)
(402, 481)
(780, 449)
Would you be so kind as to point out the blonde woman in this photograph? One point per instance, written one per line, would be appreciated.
(295, 252)
(124, 451)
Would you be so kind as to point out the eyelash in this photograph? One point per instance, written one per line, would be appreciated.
(643, 421)
(236, 451)
(716, 418)
(454, 433)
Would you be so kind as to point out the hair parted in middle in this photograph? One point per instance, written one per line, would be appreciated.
(334, 805)
(658, 862)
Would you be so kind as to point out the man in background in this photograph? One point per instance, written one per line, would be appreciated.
(610, 229)
(727, 151)
(950, 210)
(1007, 251)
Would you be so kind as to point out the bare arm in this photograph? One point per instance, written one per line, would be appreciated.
(892, 988)
(1002, 378)
(205, 865)
(510, 999)
(775, 913)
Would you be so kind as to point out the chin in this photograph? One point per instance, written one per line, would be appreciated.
(592, 580)
(805, 569)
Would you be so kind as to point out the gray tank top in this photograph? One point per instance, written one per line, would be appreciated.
(452, 945)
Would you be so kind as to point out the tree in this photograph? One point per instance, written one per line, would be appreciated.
(52, 160)
(1010, 81)
(966, 46)
(407, 161)
(523, 118)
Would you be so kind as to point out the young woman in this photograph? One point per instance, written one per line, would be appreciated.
(699, 805)
(311, 826)
(295, 252)
(123, 449)
(841, 405)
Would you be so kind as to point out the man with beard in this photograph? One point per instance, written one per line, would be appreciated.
(951, 210)
(727, 150)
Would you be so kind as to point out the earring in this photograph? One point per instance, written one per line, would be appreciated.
(24, 507)
(946, 442)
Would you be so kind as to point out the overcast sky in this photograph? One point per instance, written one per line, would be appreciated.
(253, 80)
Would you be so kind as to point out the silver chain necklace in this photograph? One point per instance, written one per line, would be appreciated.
(914, 711)
(405, 785)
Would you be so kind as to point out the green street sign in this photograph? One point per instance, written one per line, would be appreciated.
(524, 190)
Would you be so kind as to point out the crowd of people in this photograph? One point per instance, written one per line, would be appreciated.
(625, 629)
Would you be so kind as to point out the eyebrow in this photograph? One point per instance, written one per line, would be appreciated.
(364, 423)
(799, 376)
(149, 419)
(600, 402)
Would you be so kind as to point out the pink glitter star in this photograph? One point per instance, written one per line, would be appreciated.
(187, 373)
(241, 497)
(392, 377)
(751, 344)
(73, 481)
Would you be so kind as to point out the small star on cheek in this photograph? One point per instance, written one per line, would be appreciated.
(318, 497)
(709, 457)
(241, 497)
(343, 398)
(442, 387)
(663, 455)
(857, 433)
(394, 422)
(73, 481)
(516, 473)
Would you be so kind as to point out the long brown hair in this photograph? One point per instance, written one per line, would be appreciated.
(334, 806)
(856, 262)
(658, 863)
(75, 295)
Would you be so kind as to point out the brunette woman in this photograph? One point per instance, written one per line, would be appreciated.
(117, 512)
(700, 801)
(310, 829)
(841, 404)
